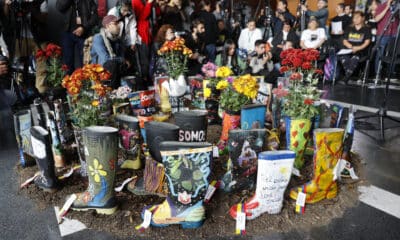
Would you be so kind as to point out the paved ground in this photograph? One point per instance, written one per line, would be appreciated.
(20, 220)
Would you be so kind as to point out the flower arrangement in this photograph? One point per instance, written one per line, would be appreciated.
(302, 92)
(214, 75)
(176, 54)
(55, 70)
(120, 95)
(88, 94)
(237, 92)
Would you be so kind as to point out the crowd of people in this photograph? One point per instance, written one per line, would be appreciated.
(126, 40)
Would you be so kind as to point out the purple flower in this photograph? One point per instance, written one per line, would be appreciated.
(230, 79)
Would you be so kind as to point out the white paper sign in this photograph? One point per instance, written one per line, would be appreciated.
(241, 221)
(215, 152)
(147, 219)
(301, 199)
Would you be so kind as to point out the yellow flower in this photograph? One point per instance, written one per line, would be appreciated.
(223, 72)
(222, 85)
(95, 103)
(97, 170)
(207, 92)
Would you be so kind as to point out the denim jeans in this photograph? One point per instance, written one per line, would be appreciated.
(381, 48)
(211, 50)
(69, 43)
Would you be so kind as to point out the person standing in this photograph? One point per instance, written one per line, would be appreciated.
(321, 14)
(282, 14)
(342, 21)
(382, 17)
(80, 19)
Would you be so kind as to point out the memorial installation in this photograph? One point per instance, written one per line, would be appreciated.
(189, 138)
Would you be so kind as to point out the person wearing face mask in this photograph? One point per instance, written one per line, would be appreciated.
(107, 48)
(249, 36)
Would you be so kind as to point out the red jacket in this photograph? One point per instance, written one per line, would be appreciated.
(143, 13)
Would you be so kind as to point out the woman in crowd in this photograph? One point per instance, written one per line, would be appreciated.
(229, 58)
(157, 63)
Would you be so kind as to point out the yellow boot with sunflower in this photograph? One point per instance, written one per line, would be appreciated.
(101, 144)
(328, 150)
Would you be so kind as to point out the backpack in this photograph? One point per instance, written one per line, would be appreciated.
(330, 65)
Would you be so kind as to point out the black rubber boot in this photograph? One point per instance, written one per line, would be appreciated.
(193, 125)
(157, 132)
(44, 159)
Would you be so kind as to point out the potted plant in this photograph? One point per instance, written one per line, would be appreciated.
(299, 98)
(235, 93)
(89, 102)
(176, 56)
(55, 70)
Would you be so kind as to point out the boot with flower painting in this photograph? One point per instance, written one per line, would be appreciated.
(187, 167)
(101, 147)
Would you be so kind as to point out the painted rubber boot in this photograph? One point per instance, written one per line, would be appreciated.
(273, 176)
(187, 167)
(348, 143)
(297, 132)
(328, 150)
(39, 112)
(153, 181)
(243, 147)
(78, 133)
(101, 144)
(61, 120)
(158, 132)
(129, 154)
(42, 150)
(22, 126)
(230, 121)
(56, 142)
(252, 116)
(142, 121)
(193, 125)
(212, 109)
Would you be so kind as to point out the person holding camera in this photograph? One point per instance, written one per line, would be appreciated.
(282, 14)
(260, 62)
(30, 32)
(321, 14)
(196, 42)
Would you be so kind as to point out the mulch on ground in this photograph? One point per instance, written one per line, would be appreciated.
(218, 222)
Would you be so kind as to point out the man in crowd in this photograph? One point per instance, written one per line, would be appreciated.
(338, 26)
(282, 14)
(260, 62)
(348, 10)
(195, 41)
(210, 25)
(249, 36)
(107, 48)
(321, 14)
(80, 18)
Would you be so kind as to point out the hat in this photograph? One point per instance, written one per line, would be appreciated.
(109, 19)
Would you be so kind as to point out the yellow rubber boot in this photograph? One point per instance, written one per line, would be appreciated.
(328, 149)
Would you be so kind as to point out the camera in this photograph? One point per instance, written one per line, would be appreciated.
(180, 33)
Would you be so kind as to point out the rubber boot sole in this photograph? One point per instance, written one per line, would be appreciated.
(104, 211)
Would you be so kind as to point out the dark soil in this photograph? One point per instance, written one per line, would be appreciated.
(218, 222)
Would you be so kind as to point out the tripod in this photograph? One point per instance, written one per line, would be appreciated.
(382, 112)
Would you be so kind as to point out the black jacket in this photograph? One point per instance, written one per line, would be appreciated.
(210, 25)
(88, 13)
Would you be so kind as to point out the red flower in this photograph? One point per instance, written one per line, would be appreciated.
(280, 91)
(306, 65)
(285, 62)
(64, 67)
(319, 71)
(308, 101)
(39, 54)
(297, 62)
(283, 69)
(295, 76)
